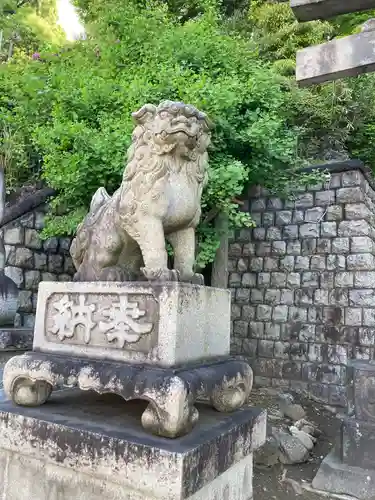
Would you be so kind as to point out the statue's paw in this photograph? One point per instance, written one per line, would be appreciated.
(77, 277)
(174, 275)
(197, 279)
(193, 278)
(160, 274)
(113, 274)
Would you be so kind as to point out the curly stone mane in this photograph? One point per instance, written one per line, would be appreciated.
(144, 160)
(147, 163)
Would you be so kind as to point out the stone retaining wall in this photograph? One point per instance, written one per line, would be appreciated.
(303, 284)
(30, 260)
(303, 280)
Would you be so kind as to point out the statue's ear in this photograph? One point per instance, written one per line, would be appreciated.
(145, 114)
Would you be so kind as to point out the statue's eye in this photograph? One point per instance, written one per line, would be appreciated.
(163, 135)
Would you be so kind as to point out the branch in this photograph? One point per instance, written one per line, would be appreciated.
(214, 212)
(21, 3)
(11, 12)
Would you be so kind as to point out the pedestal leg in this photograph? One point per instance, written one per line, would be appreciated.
(232, 393)
(28, 392)
(171, 412)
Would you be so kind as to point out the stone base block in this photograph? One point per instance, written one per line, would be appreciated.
(357, 445)
(350, 468)
(166, 324)
(29, 380)
(90, 447)
(361, 376)
(336, 477)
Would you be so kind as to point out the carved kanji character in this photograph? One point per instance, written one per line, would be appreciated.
(121, 324)
(70, 315)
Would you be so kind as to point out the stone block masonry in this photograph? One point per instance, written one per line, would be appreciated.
(29, 260)
(303, 284)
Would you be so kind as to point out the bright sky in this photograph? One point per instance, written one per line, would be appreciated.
(69, 21)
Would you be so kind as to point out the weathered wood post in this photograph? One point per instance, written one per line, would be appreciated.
(310, 10)
(343, 57)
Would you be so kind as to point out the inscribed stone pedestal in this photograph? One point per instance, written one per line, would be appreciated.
(167, 343)
(167, 324)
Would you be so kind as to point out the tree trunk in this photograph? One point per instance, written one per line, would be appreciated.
(10, 50)
(2, 212)
(220, 265)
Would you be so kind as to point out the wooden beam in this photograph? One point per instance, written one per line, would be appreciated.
(343, 57)
(309, 10)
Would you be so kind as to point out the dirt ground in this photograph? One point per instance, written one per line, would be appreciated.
(282, 482)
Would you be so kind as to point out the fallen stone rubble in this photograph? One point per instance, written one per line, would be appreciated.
(292, 439)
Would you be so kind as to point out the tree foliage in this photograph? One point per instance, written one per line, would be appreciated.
(26, 26)
(280, 35)
(66, 115)
(336, 118)
(73, 110)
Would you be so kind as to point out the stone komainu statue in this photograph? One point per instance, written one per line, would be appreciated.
(123, 237)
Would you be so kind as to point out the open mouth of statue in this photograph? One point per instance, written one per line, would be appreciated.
(177, 130)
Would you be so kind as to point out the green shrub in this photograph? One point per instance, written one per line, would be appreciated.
(69, 114)
(26, 26)
(280, 35)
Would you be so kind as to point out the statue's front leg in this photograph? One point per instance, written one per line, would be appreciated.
(149, 235)
(183, 243)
